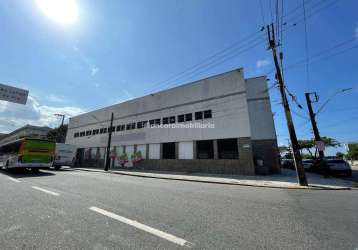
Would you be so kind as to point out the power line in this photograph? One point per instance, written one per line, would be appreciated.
(306, 45)
(262, 13)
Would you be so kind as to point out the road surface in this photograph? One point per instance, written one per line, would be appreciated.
(72, 209)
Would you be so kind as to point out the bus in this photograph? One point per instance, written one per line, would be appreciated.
(28, 153)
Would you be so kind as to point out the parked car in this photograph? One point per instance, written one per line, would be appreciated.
(339, 166)
(307, 163)
(65, 155)
(287, 163)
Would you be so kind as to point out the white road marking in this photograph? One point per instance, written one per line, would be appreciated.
(13, 179)
(143, 227)
(46, 191)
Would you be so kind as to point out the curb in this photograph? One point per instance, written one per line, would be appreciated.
(310, 187)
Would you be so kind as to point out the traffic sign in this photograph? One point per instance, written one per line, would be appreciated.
(13, 94)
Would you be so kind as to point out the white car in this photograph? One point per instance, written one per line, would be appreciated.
(338, 166)
(65, 155)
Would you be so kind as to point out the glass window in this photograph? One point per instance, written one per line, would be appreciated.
(104, 130)
(172, 119)
(95, 131)
(88, 132)
(157, 121)
(180, 118)
(151, 122)
(76, 135)
(139, 124)
(82, 133)
(188, 117)
(166, 120)
(145, 123)
(207, 114)
(198, 115)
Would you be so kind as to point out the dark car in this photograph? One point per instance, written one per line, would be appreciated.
(339, 167)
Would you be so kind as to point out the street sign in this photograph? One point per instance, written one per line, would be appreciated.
(12, 94)
(320, 145)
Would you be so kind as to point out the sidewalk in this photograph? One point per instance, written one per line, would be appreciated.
(285, 180)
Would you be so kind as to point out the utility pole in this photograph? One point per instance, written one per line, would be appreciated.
(63, 118)
(317, 136)
(108, 160)
(291, 129)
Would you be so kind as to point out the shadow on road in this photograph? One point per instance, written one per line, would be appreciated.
(24, 173)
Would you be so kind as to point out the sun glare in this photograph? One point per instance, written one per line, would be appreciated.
(60, 11)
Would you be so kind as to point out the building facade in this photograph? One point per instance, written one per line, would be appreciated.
(25, 131)
(222, 124)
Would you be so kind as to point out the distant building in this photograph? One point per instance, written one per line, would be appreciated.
(25, 131)
(221, 124)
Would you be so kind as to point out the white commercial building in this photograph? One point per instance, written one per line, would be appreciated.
(222, 124)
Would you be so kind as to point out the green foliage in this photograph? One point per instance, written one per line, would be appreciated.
(339, 155)
(353, 151)
(123, 157)
(58, 134)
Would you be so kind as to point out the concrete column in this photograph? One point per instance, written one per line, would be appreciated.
(194, 150)
(216, 149)
(147, 151)
(176, 150)
(134, 148)
(246, 157)
(161, 150)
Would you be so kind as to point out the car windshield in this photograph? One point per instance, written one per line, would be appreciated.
(336, 161)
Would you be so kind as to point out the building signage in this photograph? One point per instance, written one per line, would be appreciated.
(12, 94)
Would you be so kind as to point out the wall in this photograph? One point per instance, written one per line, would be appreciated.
(224, 94)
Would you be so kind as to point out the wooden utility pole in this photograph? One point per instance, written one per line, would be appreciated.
(317, 136)
(291, 129)
(108, 159)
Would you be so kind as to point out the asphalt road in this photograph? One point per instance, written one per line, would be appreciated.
(87, 210)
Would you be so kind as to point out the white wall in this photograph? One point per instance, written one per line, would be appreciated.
(154, 151)
(186, 150)
(261, 117)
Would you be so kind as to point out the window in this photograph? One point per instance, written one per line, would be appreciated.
(188, 117)
(145, 124)
(157, 121)
(198, 115)
(169, 150)
(76, 135)
(88, 132)
(166, 120)
(130, 126)
(101, 130)
(139, 124)
(207, 114)
(104, 130)
(151, 122)
(95, 131)
(181, 118)
(121, 127)
(205, 149)
(83, 133)
(113, 129)
(172, 119)
(228, 149)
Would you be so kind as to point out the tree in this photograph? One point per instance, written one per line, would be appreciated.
(309, 144)
(58, 134)
(339, 155)
(353, 151)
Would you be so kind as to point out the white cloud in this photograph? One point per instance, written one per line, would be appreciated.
(262, 63)
(13, 116)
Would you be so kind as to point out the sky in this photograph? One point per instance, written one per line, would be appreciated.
(98, 53)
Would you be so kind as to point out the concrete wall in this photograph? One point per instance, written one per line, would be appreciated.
(225, 95)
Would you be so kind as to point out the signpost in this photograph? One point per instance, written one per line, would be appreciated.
(12, 94)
